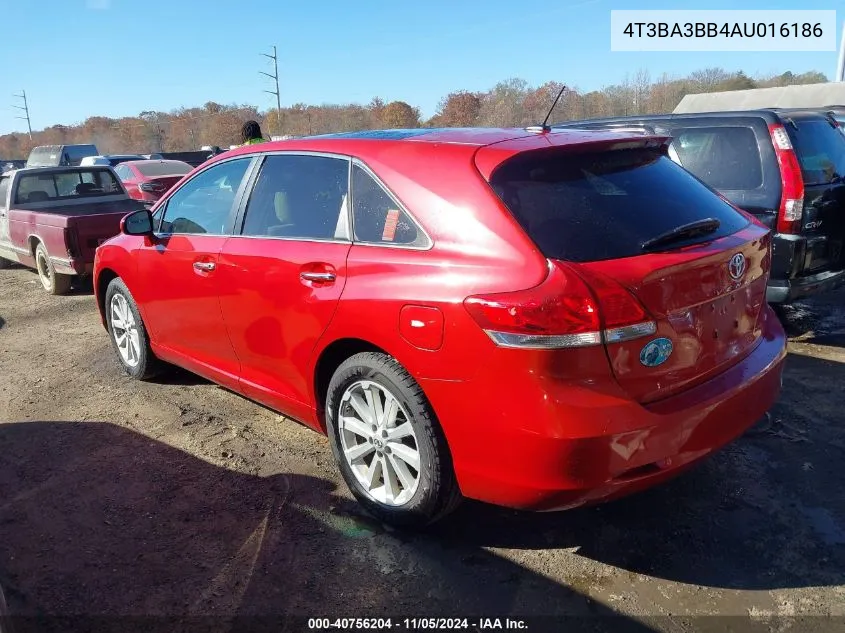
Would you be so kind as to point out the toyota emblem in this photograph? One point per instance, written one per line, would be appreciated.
(736, 267)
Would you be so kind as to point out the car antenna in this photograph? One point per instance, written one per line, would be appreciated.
(545, 128)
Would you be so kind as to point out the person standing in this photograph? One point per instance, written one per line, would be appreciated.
(251, 133)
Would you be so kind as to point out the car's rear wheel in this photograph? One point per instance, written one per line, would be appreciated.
(53, 282)
(387, 442)
(128, 334)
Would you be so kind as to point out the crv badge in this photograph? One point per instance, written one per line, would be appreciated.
(736, 267)
(656, 352)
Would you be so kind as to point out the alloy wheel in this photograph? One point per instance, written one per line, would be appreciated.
(125, 330)
(379, 443)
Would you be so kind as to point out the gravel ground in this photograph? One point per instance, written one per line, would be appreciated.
(181, 498)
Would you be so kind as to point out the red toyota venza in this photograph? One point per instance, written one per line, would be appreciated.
(532, 319)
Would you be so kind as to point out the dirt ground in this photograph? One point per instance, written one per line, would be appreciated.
(180, 498)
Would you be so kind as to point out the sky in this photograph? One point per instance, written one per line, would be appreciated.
(80, 58)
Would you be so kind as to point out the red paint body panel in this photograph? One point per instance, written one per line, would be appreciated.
(562, 444)
(182, 305)
(422, 326)
(274, 317)
(712, 319)
(539, 429)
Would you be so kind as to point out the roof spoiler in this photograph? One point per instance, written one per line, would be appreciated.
(611, 126)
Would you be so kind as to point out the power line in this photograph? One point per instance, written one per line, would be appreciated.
(275, 77)
(25, 109)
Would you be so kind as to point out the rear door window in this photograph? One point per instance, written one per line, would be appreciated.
(725, 157)
(589, 207)
(299, 197)
(820, 148)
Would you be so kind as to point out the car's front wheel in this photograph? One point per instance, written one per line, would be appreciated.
(128, 335)
(388, 443)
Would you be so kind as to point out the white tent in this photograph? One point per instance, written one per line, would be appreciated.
(806, 96)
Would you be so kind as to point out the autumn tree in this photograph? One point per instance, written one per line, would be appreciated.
(509, 103)
(503, 105)
(398, 114)
(459, 109)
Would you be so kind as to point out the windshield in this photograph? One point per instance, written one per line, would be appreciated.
(163, 168)
(42, 187)
(590, 207)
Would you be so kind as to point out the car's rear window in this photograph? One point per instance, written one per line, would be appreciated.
(43, 187)
(726, 158)
(589, 207)
(163, 168)
(77, 152)
(820, 148)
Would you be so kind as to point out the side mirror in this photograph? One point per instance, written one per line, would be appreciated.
(137, 223)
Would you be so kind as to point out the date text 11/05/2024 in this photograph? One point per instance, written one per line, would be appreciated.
(417, 624)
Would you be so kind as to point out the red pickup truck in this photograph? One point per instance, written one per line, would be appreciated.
(53, 218)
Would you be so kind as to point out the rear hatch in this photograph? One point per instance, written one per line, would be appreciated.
(820, 148)
(678, 275)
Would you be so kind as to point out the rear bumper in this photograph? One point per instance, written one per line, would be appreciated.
(791, 256)
(787, 290)
(73, 266)
(509, 456)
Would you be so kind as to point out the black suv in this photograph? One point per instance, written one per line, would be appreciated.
(785, 167)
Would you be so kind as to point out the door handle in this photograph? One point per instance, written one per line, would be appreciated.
(324, 277)
(205, 266)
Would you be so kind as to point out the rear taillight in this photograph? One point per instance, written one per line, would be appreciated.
(151, 187)
(792, 182)
(561, 312)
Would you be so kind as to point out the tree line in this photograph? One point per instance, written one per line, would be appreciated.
(512, 102)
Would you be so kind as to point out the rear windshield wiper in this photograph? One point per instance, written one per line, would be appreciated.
(683, 232)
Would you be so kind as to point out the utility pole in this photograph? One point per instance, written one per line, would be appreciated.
(25, 108)
(275, 77)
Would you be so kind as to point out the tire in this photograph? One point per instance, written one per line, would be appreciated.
(135, 356)
(53, 282)
(4, 263)
(435, 492)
